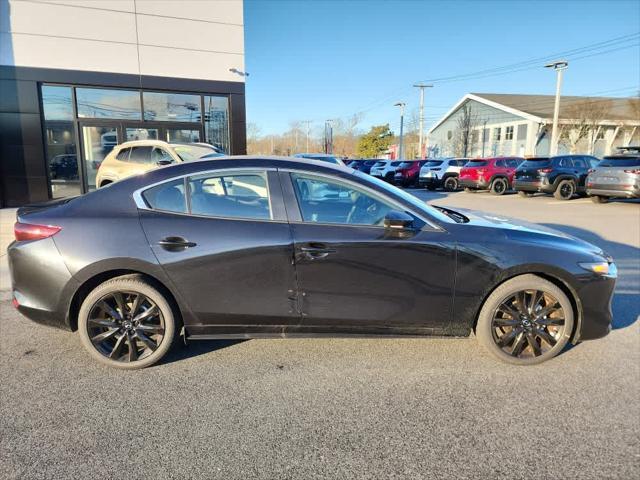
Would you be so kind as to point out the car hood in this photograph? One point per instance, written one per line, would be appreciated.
(525, 231)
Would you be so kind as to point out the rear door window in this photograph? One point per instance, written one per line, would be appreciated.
(123, 155)
(140, 155)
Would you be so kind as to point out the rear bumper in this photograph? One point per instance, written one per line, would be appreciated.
(430, 181)
(532, 186)
(628, 191)
(40, 282)
(480, 183)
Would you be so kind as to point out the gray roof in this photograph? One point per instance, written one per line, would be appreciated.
(615, 108)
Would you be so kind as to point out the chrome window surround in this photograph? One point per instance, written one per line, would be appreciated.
(142, 205)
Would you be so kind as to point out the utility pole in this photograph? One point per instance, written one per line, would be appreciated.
(400, 149)
(421, 86)
(559, 66)
(308, 122)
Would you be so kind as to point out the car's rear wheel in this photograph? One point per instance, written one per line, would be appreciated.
(599, 199)
(525, 194)
(499, 186)
(566, 190)
(126, 323)
(525, 321)
(451, 184)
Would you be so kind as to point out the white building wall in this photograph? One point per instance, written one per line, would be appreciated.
(200, 39)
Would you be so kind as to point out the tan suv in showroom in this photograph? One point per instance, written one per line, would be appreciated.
(131, 158)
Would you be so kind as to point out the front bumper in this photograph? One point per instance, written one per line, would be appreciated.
(595, 294)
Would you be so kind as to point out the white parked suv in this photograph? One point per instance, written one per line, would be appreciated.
(385, 169)
(441, 173)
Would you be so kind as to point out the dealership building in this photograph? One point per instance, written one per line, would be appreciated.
(78, 77)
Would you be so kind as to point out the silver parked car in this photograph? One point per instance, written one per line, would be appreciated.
(616, 176)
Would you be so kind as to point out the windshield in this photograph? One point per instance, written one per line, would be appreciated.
(620, 162)
(192, 152)
(420, 206)
(433, 163)
(476, 163)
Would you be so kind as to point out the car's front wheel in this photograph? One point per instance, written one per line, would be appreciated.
(126, 323)
(525, 321)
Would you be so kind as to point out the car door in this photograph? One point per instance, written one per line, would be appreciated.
(356, 276)
(223, 240)
(582, 166)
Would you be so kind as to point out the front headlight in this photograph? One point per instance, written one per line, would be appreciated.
(604, 268)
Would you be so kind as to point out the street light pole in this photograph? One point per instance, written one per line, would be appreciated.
(308, 122)
(559, 67)
(421, 86)
(400, 149)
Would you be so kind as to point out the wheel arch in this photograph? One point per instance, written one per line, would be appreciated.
(553, 275)
(564, 176)
(92, 282)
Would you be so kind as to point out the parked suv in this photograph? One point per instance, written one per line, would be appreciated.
(131, 158)
(493, 174)
(407, 173)
(562, 175)
(363, 166)
(441, 173)
(615, 176)
(385, 169)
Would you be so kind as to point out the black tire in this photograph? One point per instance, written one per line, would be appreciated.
(155, 332)
(565, 190)
(599, 199)
(525, 194)
(492, 328)
(450, 184)
(469, 190)
(499, 186)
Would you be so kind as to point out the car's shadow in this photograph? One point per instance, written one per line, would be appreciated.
(626, 299)
(195, 348)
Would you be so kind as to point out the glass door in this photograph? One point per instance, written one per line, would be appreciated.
(97, 142)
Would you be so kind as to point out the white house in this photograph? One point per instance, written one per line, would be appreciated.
(509, 124)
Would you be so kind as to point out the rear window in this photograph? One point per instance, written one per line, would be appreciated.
(380, 164)
(535, 162)
(620, 162)
(477, 163)
(433, 163)
(396, 164)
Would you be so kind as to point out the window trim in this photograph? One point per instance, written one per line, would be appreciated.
(141, 203)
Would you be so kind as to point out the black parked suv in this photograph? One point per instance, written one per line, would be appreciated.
(563, 175)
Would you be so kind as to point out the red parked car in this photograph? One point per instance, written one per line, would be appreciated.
(407, 173)
(493, 174)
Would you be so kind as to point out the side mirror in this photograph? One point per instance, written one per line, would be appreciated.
(395, 220)
(164, 162)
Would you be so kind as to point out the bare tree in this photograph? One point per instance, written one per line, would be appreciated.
(583, 123)
(465, 123)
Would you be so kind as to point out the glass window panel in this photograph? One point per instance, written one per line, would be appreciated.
(168, 196)
(60, 137)
(57, 103)
(97, 143)
(183, 135)
(141, 134)
(327, 201)
(102, 103)
(233, 196)
(216, 122)
(174, 107)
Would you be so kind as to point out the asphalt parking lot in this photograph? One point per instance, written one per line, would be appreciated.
(338, 408)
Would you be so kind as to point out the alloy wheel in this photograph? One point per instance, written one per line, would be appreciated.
(499, 187)
(528, 324)
(125, 326)
(566, 190)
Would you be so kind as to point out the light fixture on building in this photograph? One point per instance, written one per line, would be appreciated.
(239, 72)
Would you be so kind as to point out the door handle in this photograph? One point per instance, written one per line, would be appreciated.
(176, 243)
(316, 253)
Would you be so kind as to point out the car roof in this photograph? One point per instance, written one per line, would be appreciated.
(275, 161)
(144, 143)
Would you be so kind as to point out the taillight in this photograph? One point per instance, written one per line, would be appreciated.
(635, 170)
(545, 170)
(30, 231)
